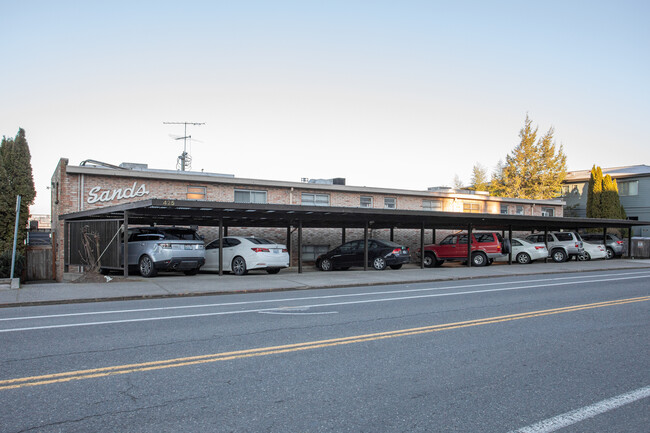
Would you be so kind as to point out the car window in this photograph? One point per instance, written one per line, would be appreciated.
(181, 235)
(212, 245)
(232, 242)
(484, 237)
(516, 243)
(148, 237)
(373, 245)
(563, 237)
(449, 240)
(462, 239)
(389, 244)
(350, 247)
(259, 241)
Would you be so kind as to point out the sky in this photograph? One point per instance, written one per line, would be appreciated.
(395, 94)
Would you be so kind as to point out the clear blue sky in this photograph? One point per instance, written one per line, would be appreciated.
(401, 94)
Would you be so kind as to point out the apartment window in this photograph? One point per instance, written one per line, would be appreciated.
(471, 207)
(628, 188)
(196, 192)
(250, 196)
(548, 211)
(434, 205)
(504, 209)
(309, 199)
(365, 202)
(520, 210)
(390, 203)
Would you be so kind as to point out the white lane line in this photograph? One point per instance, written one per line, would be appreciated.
(578, 415)
(363, 301)
(288, 313)
(306, 298)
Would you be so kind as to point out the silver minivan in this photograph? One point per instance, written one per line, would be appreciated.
(153, 249)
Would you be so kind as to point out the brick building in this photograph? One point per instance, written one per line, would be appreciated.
(87, 187)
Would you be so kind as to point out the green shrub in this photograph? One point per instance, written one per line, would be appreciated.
(5, 265)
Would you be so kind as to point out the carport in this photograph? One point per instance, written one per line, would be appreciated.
(225, 215)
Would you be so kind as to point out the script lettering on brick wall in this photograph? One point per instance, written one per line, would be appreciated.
(98, 194)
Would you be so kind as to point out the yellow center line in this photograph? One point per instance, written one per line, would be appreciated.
(273, 350)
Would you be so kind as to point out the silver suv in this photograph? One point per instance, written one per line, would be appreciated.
(153, 249)
(614, 245)
(561, 245)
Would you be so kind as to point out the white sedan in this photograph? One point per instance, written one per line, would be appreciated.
(243, 253)
(593, 252)
(525, 252)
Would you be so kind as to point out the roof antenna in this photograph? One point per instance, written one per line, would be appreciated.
(184, 160)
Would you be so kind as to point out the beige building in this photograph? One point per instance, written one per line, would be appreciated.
(87, 187)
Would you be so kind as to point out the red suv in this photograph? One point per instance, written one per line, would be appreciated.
(485, 248)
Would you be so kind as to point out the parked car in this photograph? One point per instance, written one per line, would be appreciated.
(525, 252)
(485, 248)
(380, 254)
(153, 249)
(614, 244)
(244, 253)
(561, 245)
(593, 252)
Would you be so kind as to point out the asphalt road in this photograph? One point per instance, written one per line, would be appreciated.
(533, 354)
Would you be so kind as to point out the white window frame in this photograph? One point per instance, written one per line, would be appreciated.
(432, 205)
(628, 188)
(504, 207)
(387, 203)
(368, 201)
(548, 211)
(197, 192)
(254, 196)
(519, 210)
(471, 207)
(314, 199)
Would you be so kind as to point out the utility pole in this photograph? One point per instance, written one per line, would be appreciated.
(183, 157)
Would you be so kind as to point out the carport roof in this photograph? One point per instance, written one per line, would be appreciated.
(208, 213)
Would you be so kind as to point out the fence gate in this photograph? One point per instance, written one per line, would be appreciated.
(89, 240)
(39, 262)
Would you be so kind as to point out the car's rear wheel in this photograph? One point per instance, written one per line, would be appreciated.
(479, 259)
(429, 260)
(239, 266)
(559, 256)
(523, 258)
(273, 270)
(610, 253)
(326, 265)
(396, 266)
(379, 263)
(146, 267)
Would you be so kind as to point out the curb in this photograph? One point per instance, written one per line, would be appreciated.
(282, 289)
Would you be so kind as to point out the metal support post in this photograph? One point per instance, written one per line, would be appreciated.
(220, 246)
(510, 240)
(300, 247)
(126, 243)
(469, 245)
(422, 246)
(365, 247)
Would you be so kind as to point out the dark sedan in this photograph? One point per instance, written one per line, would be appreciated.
(380, 254)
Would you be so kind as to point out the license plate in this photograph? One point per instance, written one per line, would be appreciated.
(276, 251)
(188, 247)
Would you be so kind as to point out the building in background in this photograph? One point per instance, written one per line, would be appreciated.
(633, 189)
(94, 185)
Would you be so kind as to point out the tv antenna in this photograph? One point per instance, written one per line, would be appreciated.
(184, 160)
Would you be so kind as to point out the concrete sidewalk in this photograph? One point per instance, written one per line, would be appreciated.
(171, 285)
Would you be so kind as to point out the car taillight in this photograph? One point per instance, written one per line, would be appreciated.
(260, 250)
(284, 250)
(165, 245)
(540, 248)
(396, 251)
(619, 242)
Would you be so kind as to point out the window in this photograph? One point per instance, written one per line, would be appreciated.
(471, 207)
(504, 209)
(434, 205)
(390, 203)
(366, 202)
(548, 211)
(309, 199)
(628, 188)
(520, 210)
(484, 237)
(564, 236)
(196, 192)
(449, 240)
(249, 196)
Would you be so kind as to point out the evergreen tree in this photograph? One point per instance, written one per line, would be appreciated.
(479, 178)
(594, 193)
(16, 178)
(611, 202)
(534, 169)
